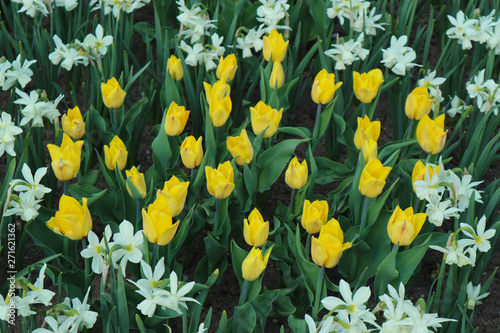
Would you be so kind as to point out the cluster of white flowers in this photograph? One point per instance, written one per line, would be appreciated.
(8, 131)
(486, 93)
(358, 13)
(463, 251)
(37, 106)
(349, 313)
(10, 73)
(79, 53)
(32, 7)
(348, 52)
(208, 54)
(398, 57)
(271, 12)
(117, 6)
(457, 106)
(31, 192)
(483, 29)
(253, 39)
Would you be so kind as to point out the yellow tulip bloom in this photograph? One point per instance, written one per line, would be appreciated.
(327, 249)
(72, 219)
(373, 177)
(404, 226)
(217, 91)
(277, 77)
(191, 152)
(66, 158)
(240, 147)
(366, 85)
(431, 134)
(220, 181)
(254, 264)
(138, 181)
(157, 222)
(314, 215)
(73, 124)
(115, 153)
(112, 94)
(418, 103)
(176, 119)
(263, 116)
(324, 87)
(274, 46)
(366, 130)
(369, 149)
(174, 68)
(219, 102)
(296, 174)
(227, 68)
(255, 230)
(175, 192)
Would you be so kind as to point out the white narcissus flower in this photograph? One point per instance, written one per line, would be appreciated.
(368, 20)
(457, 254)
(32, 183)
(348, 52)
(81, 315)
(253, 39)
(194, 54)
(398, 57)
(438, 211)
(97, 250)
(8, 131)
(31, 110)
(177, 297)
(477, 239)
(26, 207)
(354, 305)
(69, 5)
(39, 294)
(423, 322)
(130, 245)
(99, 43)
(31, 7)
(4, 67)
(463, 189)
(462, 29)
(473, 296)
(55, 327)
(23, 305)
(326, 325)
(457, 106)
(152, 280)
(21, 74)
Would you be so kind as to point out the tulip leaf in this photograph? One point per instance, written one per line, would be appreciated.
(271, 303)
(244, 319)
(393, 146)
(330, 171)
(408, 260)
(303, 132)
(215, 259)
(309, 270)
(324, 122)
(386, 272)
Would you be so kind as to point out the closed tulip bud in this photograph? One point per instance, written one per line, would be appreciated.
(227, 68)
(157, 222)
(112, 94)
(254, 264)
(373, 177)
(324, 87)
(296, 174)
(217, 91)
(73, 124)
(274, 46)
(431, 134)
(369, 149)
(366, 130)
(192, 152)
(403, 226)
(263, 116)
(255, 230)
(277, 76)
(175, 192)
(418, 103)
(420, 172)
(327, 249)
(220, 181)
(137, 180)
(174, 68)
(366, 85)
(66, 158)
(176, 119)
(115, 153)
(240, 147)
(72, 219)
(314, 215)
(219, 111)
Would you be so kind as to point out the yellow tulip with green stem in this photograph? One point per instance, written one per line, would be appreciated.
(220, 184)
(73, 124)
(253, 266)
(113, 96)
(66, 159)
(255, 230)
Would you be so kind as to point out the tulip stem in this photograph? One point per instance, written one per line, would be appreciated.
(417, 203)
(410, 129)
(316, 122)
(217, 215)
(192, 176)
(155, 254)
(65, 187)
(363, 111)
(137, 213)
(292, 202)
(86, 260)
(114, 121)
(308, 245)
(319, 287)
(243, 297)
(363, 216)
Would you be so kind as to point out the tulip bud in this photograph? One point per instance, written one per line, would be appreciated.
(66, 158)
(157, 222)
(274, 46)
(277, 76)
(373, 177)
(403, 226)
(217, 91)
(314, 215)
(418, 103)
(137, 180)
(366, 85)
(263, 116)
(220, 181)
(431, 135)
(254, 264)
(255, 230)
(174, 68)
(327, 249)
(366, 130)
(191, 152)
(115, 153)
(369, 149)
(420, 172)
(296, 174)
(240, 148)
(227, 68)
(73, 124)
(175, 192)
(324, 87)
(72, 219)
(176, 119)
(112, 94)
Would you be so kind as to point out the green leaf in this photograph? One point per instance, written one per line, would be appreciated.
(244, 319)
(408, 260)
(330, 171)
(309, 270)
(386, 272)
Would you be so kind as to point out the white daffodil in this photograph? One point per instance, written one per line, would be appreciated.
(457, 254)
(368, 20)
(462, 29)
(4, 308)
(478, 239)
(457, 106)
(31, 7)
(438, 211)
(31, 110)
(177, 297)
(153, 298)
(253, 39)
(21, 74)
(97, 250)
(4, 67)
(423, 322)
(130, 245)
(463, 189)
(152, 280)
(99, 42)
(194, 54)
(473, 296)
(26, 206)
(81, 314)
(354, 305)
(31, 183)
(49, 109)
(69, 5)
(8, 131)
(39, 294)
(23, 305)
(326, 325)
(348, 52)
(55, 327)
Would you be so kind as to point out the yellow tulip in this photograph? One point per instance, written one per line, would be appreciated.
(115, 153)
(192, 152)
(373, 177)
(324, 87)
(73, 124)
(327, 249)
(403, 226)
(240, 147)
(220, 181)
(227, 68)
(296, 174)
(255, 230)
(66, 158)
(420, 172)
(277, 76)
(217, 91)
(137, 180)
(366, 130)
(72, 219)
(175, 192)
(418, 103)
(369, 149)
(176, 119)
(157, 222)
(263, 116)
(254, 264)
(219, 111)
(366, 85)
(274, 46)
(314, 215)
(431, 134)
(112, 94)
(174, 68)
